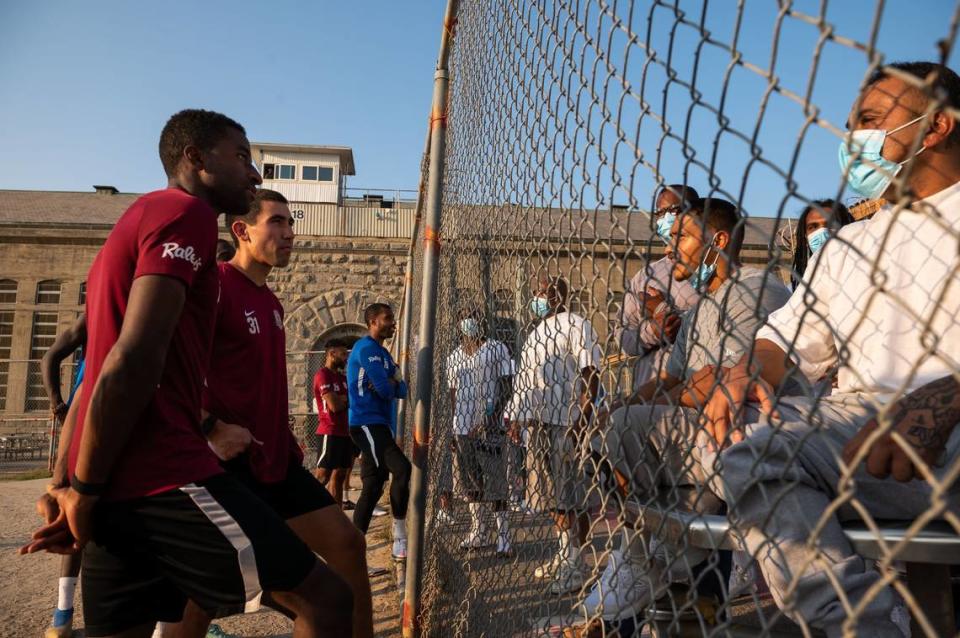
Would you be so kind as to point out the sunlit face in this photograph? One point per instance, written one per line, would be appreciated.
(690, 243)
(229, 175)
(384, 326)
(270, 240)
(889, 104)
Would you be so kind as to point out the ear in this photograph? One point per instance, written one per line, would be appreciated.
(941, 126)
(721, 240)
(194, 157)
(239, 229)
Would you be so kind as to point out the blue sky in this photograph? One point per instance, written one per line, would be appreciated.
(86, 87)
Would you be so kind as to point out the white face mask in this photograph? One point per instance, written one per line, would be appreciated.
(868, 172)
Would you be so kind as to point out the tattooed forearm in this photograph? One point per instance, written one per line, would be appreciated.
(930, 412)
(930, 438)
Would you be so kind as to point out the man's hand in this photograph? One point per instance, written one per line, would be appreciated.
(229, 441)
(924, 419)
(665, 325)
(70, 530)
(47, 507)
(725, 404)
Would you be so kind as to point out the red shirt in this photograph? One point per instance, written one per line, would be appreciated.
(169, 233)
(247, 382)
(327, 380)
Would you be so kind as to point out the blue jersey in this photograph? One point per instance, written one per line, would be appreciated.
(370, 370)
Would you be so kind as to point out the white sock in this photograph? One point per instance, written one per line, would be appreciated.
(476, 517)
(503, 525)
(399, 528)
(65, 596)
(158, 630)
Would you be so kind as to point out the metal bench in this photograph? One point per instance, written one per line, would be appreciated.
(928, 555)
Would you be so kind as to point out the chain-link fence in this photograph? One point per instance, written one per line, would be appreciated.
(644, 409)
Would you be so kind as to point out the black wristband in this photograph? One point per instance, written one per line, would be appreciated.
(207, 425)
(87, 489)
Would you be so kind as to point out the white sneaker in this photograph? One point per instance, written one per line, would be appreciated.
(548, 569)
(444, 517)
(568, 577)
(477, 538)
(622, 591)
(399, 549)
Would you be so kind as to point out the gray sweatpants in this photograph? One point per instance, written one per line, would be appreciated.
(779, 484)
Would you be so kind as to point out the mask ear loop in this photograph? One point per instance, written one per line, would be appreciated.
(716, 258)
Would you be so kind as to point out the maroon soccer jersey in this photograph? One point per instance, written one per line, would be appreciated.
(327, 380)
(169, 233)
(247, 382)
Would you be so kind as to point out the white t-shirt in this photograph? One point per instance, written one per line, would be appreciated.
(548, 384)
(884, 292)
(474, 379)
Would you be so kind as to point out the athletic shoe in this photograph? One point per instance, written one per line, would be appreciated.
(549, 568)
(476, 539)
(215, 631)
(379, 511)
(504, 549)
(348, 504)
(621, 592)
(399, 549)
(568, 577)
(444, 517)
(62, 626)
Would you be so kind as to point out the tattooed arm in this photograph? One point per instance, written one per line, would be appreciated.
(925, 418)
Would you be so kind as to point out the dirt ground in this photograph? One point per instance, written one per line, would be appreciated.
(28, 584)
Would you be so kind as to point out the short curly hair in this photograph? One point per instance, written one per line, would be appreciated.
(192, 127)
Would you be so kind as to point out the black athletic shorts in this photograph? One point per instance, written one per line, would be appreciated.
(336, 452)
(213, 542)
(298, 493)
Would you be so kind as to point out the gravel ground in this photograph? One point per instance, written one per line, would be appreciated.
(28, 584)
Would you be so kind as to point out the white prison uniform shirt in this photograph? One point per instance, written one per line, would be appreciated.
(474, 380)
(548, 385)
(880, 318)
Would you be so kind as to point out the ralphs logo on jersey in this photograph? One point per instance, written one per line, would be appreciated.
(172, 250)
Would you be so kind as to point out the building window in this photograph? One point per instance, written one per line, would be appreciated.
(317, 173)
(8, 291)
(83, 294)
(48, 292)
(269, 171)
(286, 171)
(6, 339)
(43, 335)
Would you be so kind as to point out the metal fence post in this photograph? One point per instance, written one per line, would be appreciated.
(403, 349)
(421, 436)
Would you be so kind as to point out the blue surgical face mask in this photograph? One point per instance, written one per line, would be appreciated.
(540, 307)
(664, 224)
(705, 272)
(817, 239)
(470, 327)
(868, 172)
